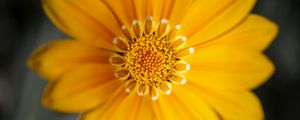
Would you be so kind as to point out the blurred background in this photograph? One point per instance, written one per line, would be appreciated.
(24, 26)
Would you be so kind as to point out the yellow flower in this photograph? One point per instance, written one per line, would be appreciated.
(156, 59)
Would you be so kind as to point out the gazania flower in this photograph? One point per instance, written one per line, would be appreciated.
(156, 59)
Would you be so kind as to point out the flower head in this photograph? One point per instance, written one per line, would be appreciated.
(150, 59)
(155, 59)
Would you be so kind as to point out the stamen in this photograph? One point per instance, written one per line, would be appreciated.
(149, 24)
(173, 33)
(142, 90)
(182, 66)
(122, 74)
(163, 27)
(130, 85)
(179, 42)
(116, 60)
(126, 32)
(185, 53)
(154, 93)
(166, 87)
(136, 28)
(120, 43)
(178, 79)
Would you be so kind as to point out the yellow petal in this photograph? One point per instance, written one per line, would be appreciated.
(122, 106)
(89, 21)
(231, 105)
(226, 67)
(124, 10)
(140, 9)
(179, 10)
(57, 57)
(173, 10)
(112, 102)
(81, 89)
(161, 8)
(143, 8)
(183, 104)
(169, 108)
(255, 33)
(209, 19)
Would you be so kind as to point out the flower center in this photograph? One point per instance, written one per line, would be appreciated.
(149, 60)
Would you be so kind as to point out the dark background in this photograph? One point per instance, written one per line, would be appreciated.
(24, 26)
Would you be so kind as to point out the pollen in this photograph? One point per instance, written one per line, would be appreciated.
(149, 58)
